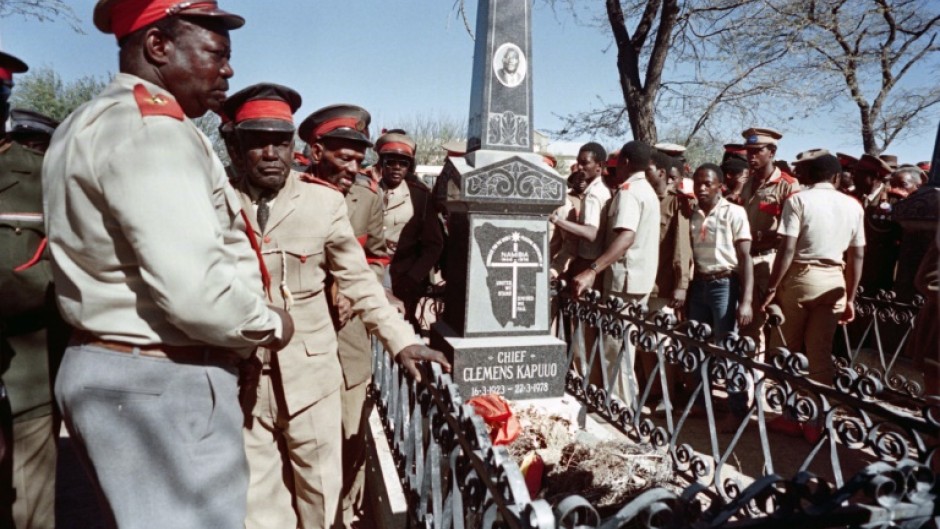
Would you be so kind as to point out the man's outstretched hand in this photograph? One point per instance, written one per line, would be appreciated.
(411, 355)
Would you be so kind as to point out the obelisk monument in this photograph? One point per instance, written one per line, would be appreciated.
(496, 324)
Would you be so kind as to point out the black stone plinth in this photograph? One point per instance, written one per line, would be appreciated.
(519, 367)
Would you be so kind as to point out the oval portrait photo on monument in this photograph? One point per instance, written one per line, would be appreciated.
(510, 65)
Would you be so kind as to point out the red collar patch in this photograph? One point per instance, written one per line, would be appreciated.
(156, 105)
(309, 178)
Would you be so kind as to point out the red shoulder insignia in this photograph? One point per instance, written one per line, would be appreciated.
(157, 105)
(625, 186)
(310, 179)
(788, 178)
(301, 159)
(363, 180)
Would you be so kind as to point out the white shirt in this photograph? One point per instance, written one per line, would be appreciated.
(825, 222)
(596, 197)
(713, 236)
(634, 207)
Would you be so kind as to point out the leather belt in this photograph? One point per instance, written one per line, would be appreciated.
(760, 253)
(820, 264)
(183, 354)
(713, 277)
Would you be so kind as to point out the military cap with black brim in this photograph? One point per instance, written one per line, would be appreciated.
(123, 17)
(30, 122)
(263, 107)
(873, 164)
(848, 162)
(347, 122)
(10, 65)
(395, 143)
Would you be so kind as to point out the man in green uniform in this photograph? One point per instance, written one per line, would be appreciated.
(27, 319)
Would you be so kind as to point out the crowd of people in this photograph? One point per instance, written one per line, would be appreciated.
(727, 243)
(206, 329)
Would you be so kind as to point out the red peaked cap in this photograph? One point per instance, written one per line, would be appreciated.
(847, 161)
(123, 17)
(10, 65)
(395, 143)
(873, 164)
(263, 106)
(349, 122)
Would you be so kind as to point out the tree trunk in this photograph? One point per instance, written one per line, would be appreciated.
(868, 132)
(642, 116)
(640, 100)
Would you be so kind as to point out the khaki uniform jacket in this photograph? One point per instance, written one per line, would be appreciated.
(365, 217)
(675, 247)
(147, 237)
(764, 205)
(308, 236)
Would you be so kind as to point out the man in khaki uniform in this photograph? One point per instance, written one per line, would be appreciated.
(293, 434)
(631, 241)
(413, 233)
(589, 228)
(814, 286)
(763, 197)
(154, 269)
(355, 348)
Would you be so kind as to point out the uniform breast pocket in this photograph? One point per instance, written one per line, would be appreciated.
(770, 207)
(302, 258)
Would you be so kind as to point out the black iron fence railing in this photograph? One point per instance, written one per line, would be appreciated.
(883, 329)
(871, 462)
(452, 475)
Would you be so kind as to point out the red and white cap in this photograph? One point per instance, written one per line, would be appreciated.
(123, 17)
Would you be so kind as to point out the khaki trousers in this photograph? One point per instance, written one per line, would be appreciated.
(647, 360)
(295, 464)
(34, 457)
(812, 298)
(625, 384)
(763, 264)
(356, 410)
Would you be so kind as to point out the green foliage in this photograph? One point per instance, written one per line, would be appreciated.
(44, 91)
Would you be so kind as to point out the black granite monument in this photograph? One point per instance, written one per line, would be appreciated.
(496, 324)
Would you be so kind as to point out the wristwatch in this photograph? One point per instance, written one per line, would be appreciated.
(593, 267)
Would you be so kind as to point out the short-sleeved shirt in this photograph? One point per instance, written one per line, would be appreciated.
(634, 207)
(714, 235)
(596, 197)
(764, 206)
(825, 223)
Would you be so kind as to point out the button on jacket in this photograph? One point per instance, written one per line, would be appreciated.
(308, 236)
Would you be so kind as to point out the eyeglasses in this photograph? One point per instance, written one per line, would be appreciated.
(396, 163)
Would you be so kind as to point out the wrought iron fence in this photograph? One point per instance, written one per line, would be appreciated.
(454, 477)
(884, 325)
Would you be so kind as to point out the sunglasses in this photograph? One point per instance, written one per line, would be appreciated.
(396, 163)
